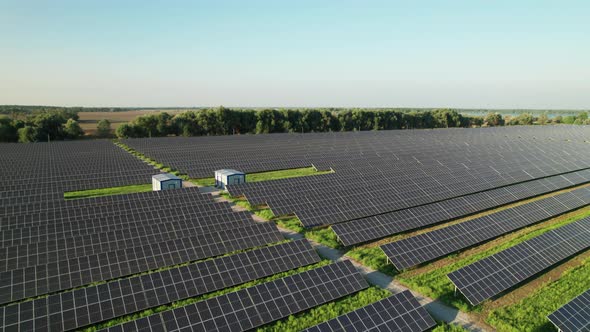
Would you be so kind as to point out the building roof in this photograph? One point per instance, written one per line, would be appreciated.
(229, 172)
(165, 177)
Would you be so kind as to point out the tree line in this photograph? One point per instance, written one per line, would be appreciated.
(225, 121)
(56, 123)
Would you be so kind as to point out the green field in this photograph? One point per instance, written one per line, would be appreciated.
(374, 258)
(266, 176)
(324, 236)
(138, 188)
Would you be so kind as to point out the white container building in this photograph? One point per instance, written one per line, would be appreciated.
(166, 181)
(224, 177)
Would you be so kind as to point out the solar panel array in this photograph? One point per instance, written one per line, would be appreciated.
(428, 246)
(94, 304)
(41, 279)
(574, 316)
(200, 156)
(395, 179)
(372, 228)
(68, 264)
(399, 312)
(254, 306)
(497, 273)
(55, 167)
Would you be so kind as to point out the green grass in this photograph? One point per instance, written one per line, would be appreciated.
(284, 174)
(206, 182)
(138, 188)
(324, 236)
(291, 223)
(445, 327)
(188, 301)
(530, 314)
(435, 283)
(327, 311)
(373, 258)
(266, 176)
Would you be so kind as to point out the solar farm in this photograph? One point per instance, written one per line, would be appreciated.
(405, 230)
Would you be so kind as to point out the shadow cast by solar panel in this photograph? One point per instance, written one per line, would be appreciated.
(544, 327)
(389, 273)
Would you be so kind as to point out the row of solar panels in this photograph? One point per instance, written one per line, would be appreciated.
(249, 153)
(497, 273)
(441, 242)
(237, 311)
(574, 316)
(34, 217)
(372, 228)
(321, 205)
(61, 204)
(68, 166)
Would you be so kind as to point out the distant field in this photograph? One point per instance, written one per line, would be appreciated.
(89, 120)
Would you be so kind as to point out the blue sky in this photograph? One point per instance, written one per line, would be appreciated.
(488, 54)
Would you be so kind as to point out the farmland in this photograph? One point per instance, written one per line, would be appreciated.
(89, 120)
(328, 226)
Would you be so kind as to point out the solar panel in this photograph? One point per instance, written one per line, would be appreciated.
(438, 243)
(50, 251)
(94, 304)
(574, 316)
(66, 274)
(375, 227)
(367, 165)
(74, 165)
(252, 307)
(399, 312)
(493, 275)
(180, 219)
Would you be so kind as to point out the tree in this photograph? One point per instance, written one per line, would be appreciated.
(494, 119)
(27, 134)
(103, 129)
(570, 119)
(48, 126)
(8, 130)
(557, 119)
(72, 129)
(125, 131)
(543, 119)
(345, 120)
(312, 120)
(271, 121)
(164, 124)
(523, 119)
(363, 120)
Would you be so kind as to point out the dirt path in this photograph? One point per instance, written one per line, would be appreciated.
(437, 309)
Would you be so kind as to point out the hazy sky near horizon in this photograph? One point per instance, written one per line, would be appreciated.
(472, 53)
